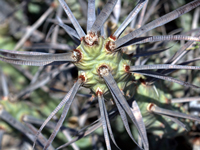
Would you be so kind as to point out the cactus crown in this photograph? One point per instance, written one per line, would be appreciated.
(96, 54)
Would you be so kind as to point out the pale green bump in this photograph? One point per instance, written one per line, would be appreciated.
(93, 51)
(138, 76)
(6, 127)
(18, 110)
(145, 94)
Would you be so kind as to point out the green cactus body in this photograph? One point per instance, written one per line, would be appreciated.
(17, 110)
(97, 55)
(157, 124)
(101, 62)
(93, 56)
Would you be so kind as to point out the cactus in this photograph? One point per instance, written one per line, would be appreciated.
(106, 66)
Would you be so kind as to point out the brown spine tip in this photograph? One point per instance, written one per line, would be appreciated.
(54, 5)
(102, 70)
(3, 128)
(196, 141)
(91, 39)
(86, 41)
(5, 98)
(92, 34)
(77, 55)
(99, 91)
(150, 107)
(162, 125)
(122, 91)
(142, 81)
(168, 101)
(127, 68)
(92, 98)
(1, 108)
(82, 77)
(107, 46)
(82, 38)
(113, 37)
(110, 46)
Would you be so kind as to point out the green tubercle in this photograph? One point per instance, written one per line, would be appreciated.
(18, 110)
(96, 55)
(157, 124)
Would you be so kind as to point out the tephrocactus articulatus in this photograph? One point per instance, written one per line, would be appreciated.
(94, 54)
(126, 79)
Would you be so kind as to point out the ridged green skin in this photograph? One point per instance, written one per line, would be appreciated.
(157, 124)
(20, 109)
(17, 110)
(92, 58)
(97, 55)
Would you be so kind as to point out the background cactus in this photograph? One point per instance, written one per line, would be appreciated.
(112, 68)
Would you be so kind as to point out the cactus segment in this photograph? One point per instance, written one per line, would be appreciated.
(146, 94)
(97, 55)
(17, 109)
